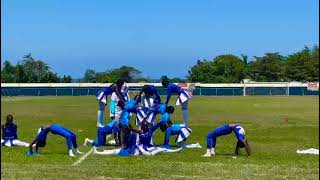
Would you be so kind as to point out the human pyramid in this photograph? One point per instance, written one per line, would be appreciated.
(147, 105)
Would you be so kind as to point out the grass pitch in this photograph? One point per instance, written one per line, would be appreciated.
(275, 126)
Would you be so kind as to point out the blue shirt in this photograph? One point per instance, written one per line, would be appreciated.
(236, 131)
(226, 129)
(10, 132)
(54, 129)
(145, 138)
(108, 91)
(172, 88)
(130, 107)
(165, 117)
(111, 127)
(153, 91)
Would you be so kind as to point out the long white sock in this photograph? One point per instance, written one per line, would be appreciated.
(108, 152)
(212, 151)
(86, 141)
(185, 117)
(208, 151)
(20, 143)
(71, 153)
(197, 145)
(100, 118)
(172, 150)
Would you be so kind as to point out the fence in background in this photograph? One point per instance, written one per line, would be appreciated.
(86, 89)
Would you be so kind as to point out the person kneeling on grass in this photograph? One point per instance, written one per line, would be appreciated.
(9, 134)
(40, 140)
(180, 130)
(111, 128)
(225, 130)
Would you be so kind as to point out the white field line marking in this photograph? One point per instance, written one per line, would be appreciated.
(82, 158)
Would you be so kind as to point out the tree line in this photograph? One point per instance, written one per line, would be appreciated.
(300, 66)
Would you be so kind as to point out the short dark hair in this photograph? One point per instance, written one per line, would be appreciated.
(169, 109)
(240, 144)
(9, 118)
(41, 143)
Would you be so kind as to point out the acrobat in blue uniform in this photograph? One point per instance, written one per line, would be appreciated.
(225, 130)
(111, 128)
(9, 134)
(41, 139)
(183, 98)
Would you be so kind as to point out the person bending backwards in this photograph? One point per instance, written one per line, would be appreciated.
(225, 130)
(9, 134)
(41, 139)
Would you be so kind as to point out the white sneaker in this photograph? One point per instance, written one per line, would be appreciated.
(71, 155)
(94, 150)
(113, 142)
(79, 152)
(85, 141)
(206, 155)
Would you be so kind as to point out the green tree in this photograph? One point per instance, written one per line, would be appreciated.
(303, 65)
(268, 68)
(66, 79)
(224, 68)
(89, 76)
(8, 72)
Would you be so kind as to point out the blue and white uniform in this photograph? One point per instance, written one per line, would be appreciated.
(149, 114)
(183, 94)
(224, 130)
(111, 128)
(152, 98)
(145, 139)
(177, 129)
(102, 95)
(61, 131)
(183, 98)
(10, 137)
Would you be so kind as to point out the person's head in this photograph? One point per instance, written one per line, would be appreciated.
(119, 83)
(165, 81)
(144, 125)
(240, 144)
(169, 109)
(9, 120)
(146, 90)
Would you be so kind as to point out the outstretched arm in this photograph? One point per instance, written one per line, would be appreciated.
(236, 152)
(168, 96)
(247, 147)
(31, 145)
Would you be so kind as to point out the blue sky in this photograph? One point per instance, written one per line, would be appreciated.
(156, 37)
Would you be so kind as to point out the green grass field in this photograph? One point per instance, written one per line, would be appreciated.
(273, 140)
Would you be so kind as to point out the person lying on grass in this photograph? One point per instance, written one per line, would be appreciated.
(9, 134)
(40, 140)
(225, 130)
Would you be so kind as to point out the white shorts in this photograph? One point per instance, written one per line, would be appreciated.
(183, 97)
